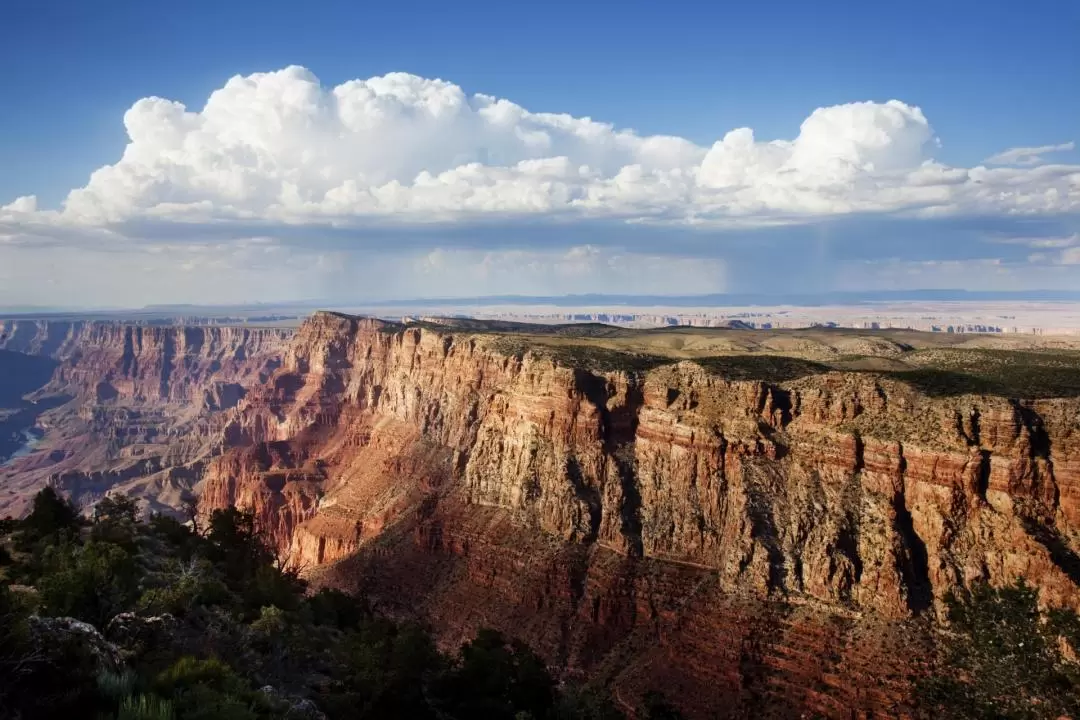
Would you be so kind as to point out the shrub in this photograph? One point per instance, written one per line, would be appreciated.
(205, 689)
(145, 707)
(182, 586)
(1002, 659)
(496, 678)
(239, 623)
(335, 608)
(271, 621)
(92, 583)
(115, 518)
(51, 516)
(116, 685)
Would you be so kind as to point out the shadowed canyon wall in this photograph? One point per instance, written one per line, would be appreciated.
(616, 518)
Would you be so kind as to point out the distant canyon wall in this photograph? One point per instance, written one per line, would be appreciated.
(189, 365)
(146, 404)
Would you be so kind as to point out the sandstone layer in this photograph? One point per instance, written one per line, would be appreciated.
(586, 505)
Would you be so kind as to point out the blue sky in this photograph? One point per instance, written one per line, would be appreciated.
(986, 76)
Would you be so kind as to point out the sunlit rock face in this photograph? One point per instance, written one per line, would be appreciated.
(847, 488)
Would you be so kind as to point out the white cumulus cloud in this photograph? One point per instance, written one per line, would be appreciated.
(403, 185)
(281, 147)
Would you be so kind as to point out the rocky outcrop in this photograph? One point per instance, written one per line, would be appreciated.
(625, 521)
(848, 488)
(60, 641)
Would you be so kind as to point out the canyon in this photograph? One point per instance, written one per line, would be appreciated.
(760, 524)
(125, 407)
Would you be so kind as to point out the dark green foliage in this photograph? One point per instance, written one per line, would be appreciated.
(145, 707)
(216, 630)
(583, 357)
(335, 608)
(91, 582)
(1002, 659)
(116, 685)
(52, 516)
(1006, 373)
(115, 517)
(584, 704)
(495, 678)
(390, 670)
(249, 566)
(13, 630)
(206, 690)
(770, 368)
(178, 586)
(175, 534)
(658, 708)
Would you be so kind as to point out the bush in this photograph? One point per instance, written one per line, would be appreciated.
(115, 518)
(116, 685)
(239, 623)
(145, 707)
(205, 690)
(496, 678)
(181, 586)
(92, 583)
(51, 516)
(335, 608)
(1002, 659)
(271, 622)
(13, 643)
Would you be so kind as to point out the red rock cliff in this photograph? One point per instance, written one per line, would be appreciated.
(842, 487)
(754, 547)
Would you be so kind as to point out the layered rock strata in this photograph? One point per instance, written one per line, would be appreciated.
(617, 513)
(764, 546)
(848, 488)
(142, 407)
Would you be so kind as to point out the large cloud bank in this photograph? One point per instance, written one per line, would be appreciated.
(281, 146)
(281, 153)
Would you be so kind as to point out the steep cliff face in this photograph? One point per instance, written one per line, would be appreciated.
(847, 488)
(145, 404)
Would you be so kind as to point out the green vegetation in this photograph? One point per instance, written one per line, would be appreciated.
(1008, 373)
(766, 368)
(123, 618)
(1002, 659)
(582, 356)
(929, 362)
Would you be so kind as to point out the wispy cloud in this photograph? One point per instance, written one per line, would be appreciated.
(1027, 155)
